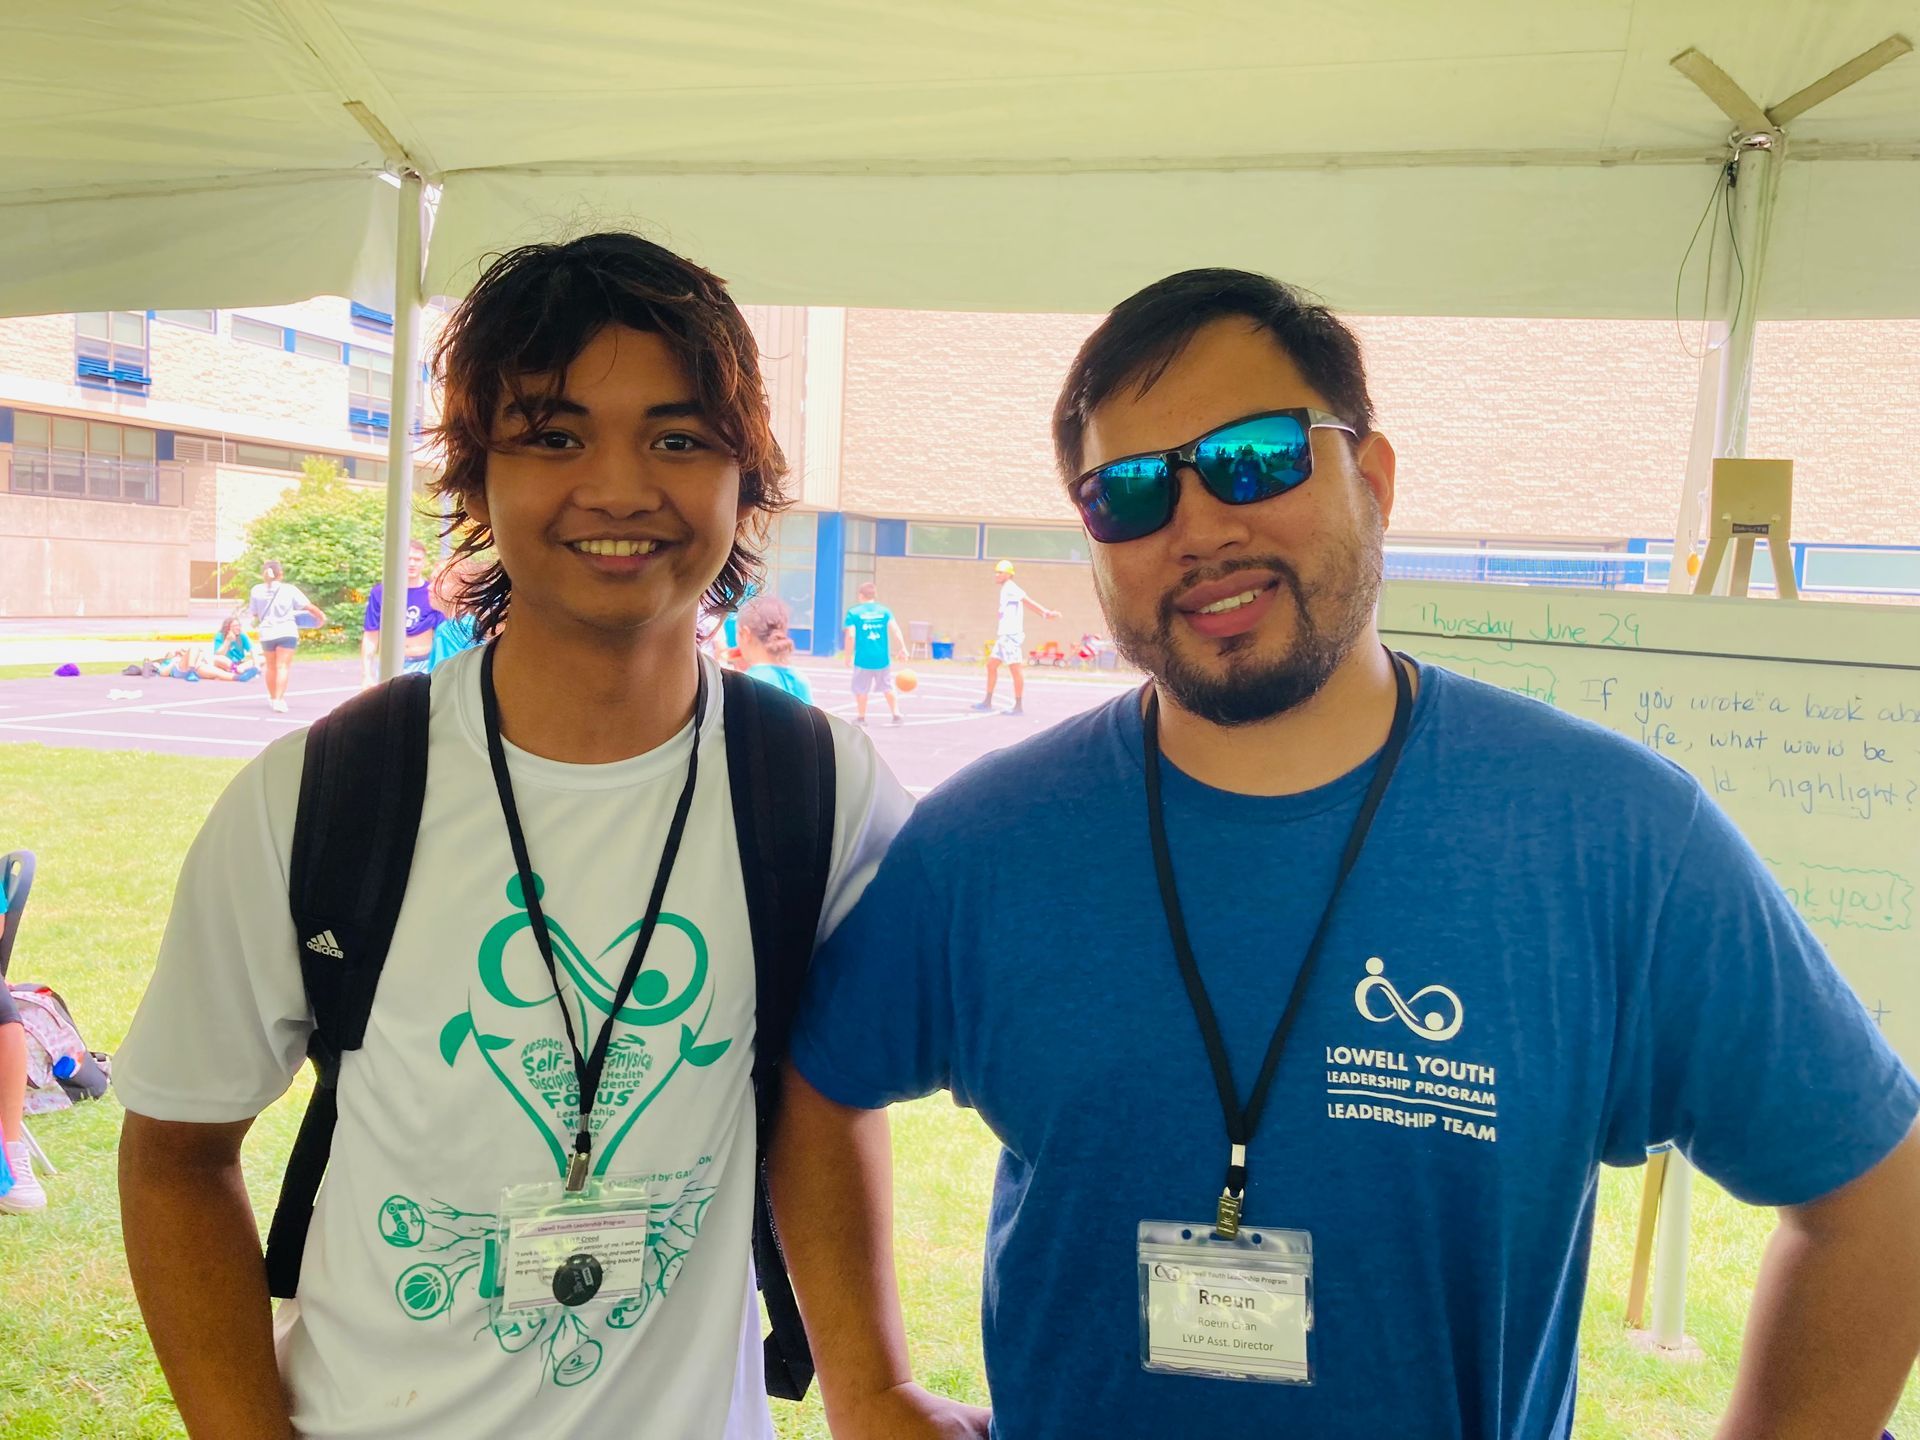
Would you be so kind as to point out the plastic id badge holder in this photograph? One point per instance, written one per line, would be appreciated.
(1237, 1308)
(561, 1250)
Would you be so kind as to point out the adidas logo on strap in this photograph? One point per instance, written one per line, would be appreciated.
(325, 944)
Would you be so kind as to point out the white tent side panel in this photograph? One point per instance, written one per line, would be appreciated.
(252, 244)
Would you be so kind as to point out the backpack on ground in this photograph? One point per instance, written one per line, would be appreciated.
(61, 1070)
(361, 794)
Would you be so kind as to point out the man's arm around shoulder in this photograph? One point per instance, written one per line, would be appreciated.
(1835, 1323)
(194, 1253)
(831, 1176)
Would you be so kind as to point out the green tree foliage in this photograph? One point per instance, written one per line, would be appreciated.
(327, 536)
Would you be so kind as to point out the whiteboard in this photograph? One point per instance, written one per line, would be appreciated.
(1802, 719)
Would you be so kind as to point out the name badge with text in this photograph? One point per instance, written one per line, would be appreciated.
(1238, 1309)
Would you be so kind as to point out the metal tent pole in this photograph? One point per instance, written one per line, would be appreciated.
(1756, 181)
(403, 404)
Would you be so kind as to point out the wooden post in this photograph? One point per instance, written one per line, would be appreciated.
(1643, 1239)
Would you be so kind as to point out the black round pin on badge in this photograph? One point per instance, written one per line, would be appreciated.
(578, 1280)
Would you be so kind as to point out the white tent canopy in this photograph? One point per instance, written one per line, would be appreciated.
(1516, 157)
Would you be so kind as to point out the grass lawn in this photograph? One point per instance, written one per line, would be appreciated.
(110, 829)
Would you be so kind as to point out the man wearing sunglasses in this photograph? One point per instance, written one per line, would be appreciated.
(1302, 1120)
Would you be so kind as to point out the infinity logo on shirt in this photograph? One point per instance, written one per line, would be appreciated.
(1432, 1025)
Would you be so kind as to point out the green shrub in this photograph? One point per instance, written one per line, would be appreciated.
(327, 536)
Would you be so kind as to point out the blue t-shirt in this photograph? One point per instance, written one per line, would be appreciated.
(421, 614)
(1624, 971)
(237, 650)
(869, 623)
(791, 681)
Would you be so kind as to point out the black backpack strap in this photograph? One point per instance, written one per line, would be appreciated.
(361, 791)
(781, 767)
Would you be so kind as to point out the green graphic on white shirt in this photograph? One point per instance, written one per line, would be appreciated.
(463, 1246)
(538, 1072)
(518, 1038)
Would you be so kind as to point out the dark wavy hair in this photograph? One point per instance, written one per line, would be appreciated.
(529, 317)
(1146, 332)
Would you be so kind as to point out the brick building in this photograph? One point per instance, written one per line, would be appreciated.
(135, 448)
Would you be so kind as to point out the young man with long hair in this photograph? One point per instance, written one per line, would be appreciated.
(607, 434)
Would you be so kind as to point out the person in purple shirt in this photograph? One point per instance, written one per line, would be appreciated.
(423, 618)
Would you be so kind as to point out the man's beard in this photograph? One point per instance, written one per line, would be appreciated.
(1329, 618)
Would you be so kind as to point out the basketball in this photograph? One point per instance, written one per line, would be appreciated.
(905, 680)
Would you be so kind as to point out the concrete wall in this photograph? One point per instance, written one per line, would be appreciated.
(947, 415)
(38, 347)
(961, 600)
(91, 557)
(1547, 428)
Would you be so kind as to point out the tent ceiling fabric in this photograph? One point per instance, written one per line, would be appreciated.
(1503, 157)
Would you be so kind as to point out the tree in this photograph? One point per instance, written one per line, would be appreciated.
(328, 537)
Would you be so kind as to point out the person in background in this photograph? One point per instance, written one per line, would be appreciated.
(234, 655)
(275, 603)
(870, 637)
(25, 1193)
(767, 647)
(451, 585)
(423, 619)
(1010, 638)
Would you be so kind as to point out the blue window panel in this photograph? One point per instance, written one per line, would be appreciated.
(94, 367)
(802, 640)
(129, 375)
(363, 419)
(286, 342)
(163, 444)
(371, 318)
(890, 537)
(6, 425)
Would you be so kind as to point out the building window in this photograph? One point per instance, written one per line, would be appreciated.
(945, 542)
(1026, 542)
(315, 347)
(192, 319)
(258, 332)
(369, 390)
(368, 318)
(110, 350)
(84, 459)
(858, 567)
(790, 564)
(1874, 572)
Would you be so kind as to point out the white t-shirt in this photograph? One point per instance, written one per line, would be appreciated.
(464, 1083)
(1013, 613)
(274, 606)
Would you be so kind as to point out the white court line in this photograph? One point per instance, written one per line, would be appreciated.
(131, 735)
(887, 724)
(169, 706)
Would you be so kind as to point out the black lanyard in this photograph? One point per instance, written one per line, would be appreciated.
(1243, 1123)
(586, 1068)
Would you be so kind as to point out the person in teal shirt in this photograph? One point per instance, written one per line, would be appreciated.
(234, 652)
(871, 635)
(766, 646)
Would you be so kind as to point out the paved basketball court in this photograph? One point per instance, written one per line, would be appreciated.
(103, 712)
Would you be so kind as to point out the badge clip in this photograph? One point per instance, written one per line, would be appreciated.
(1226, 1219)
(577, 1170)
